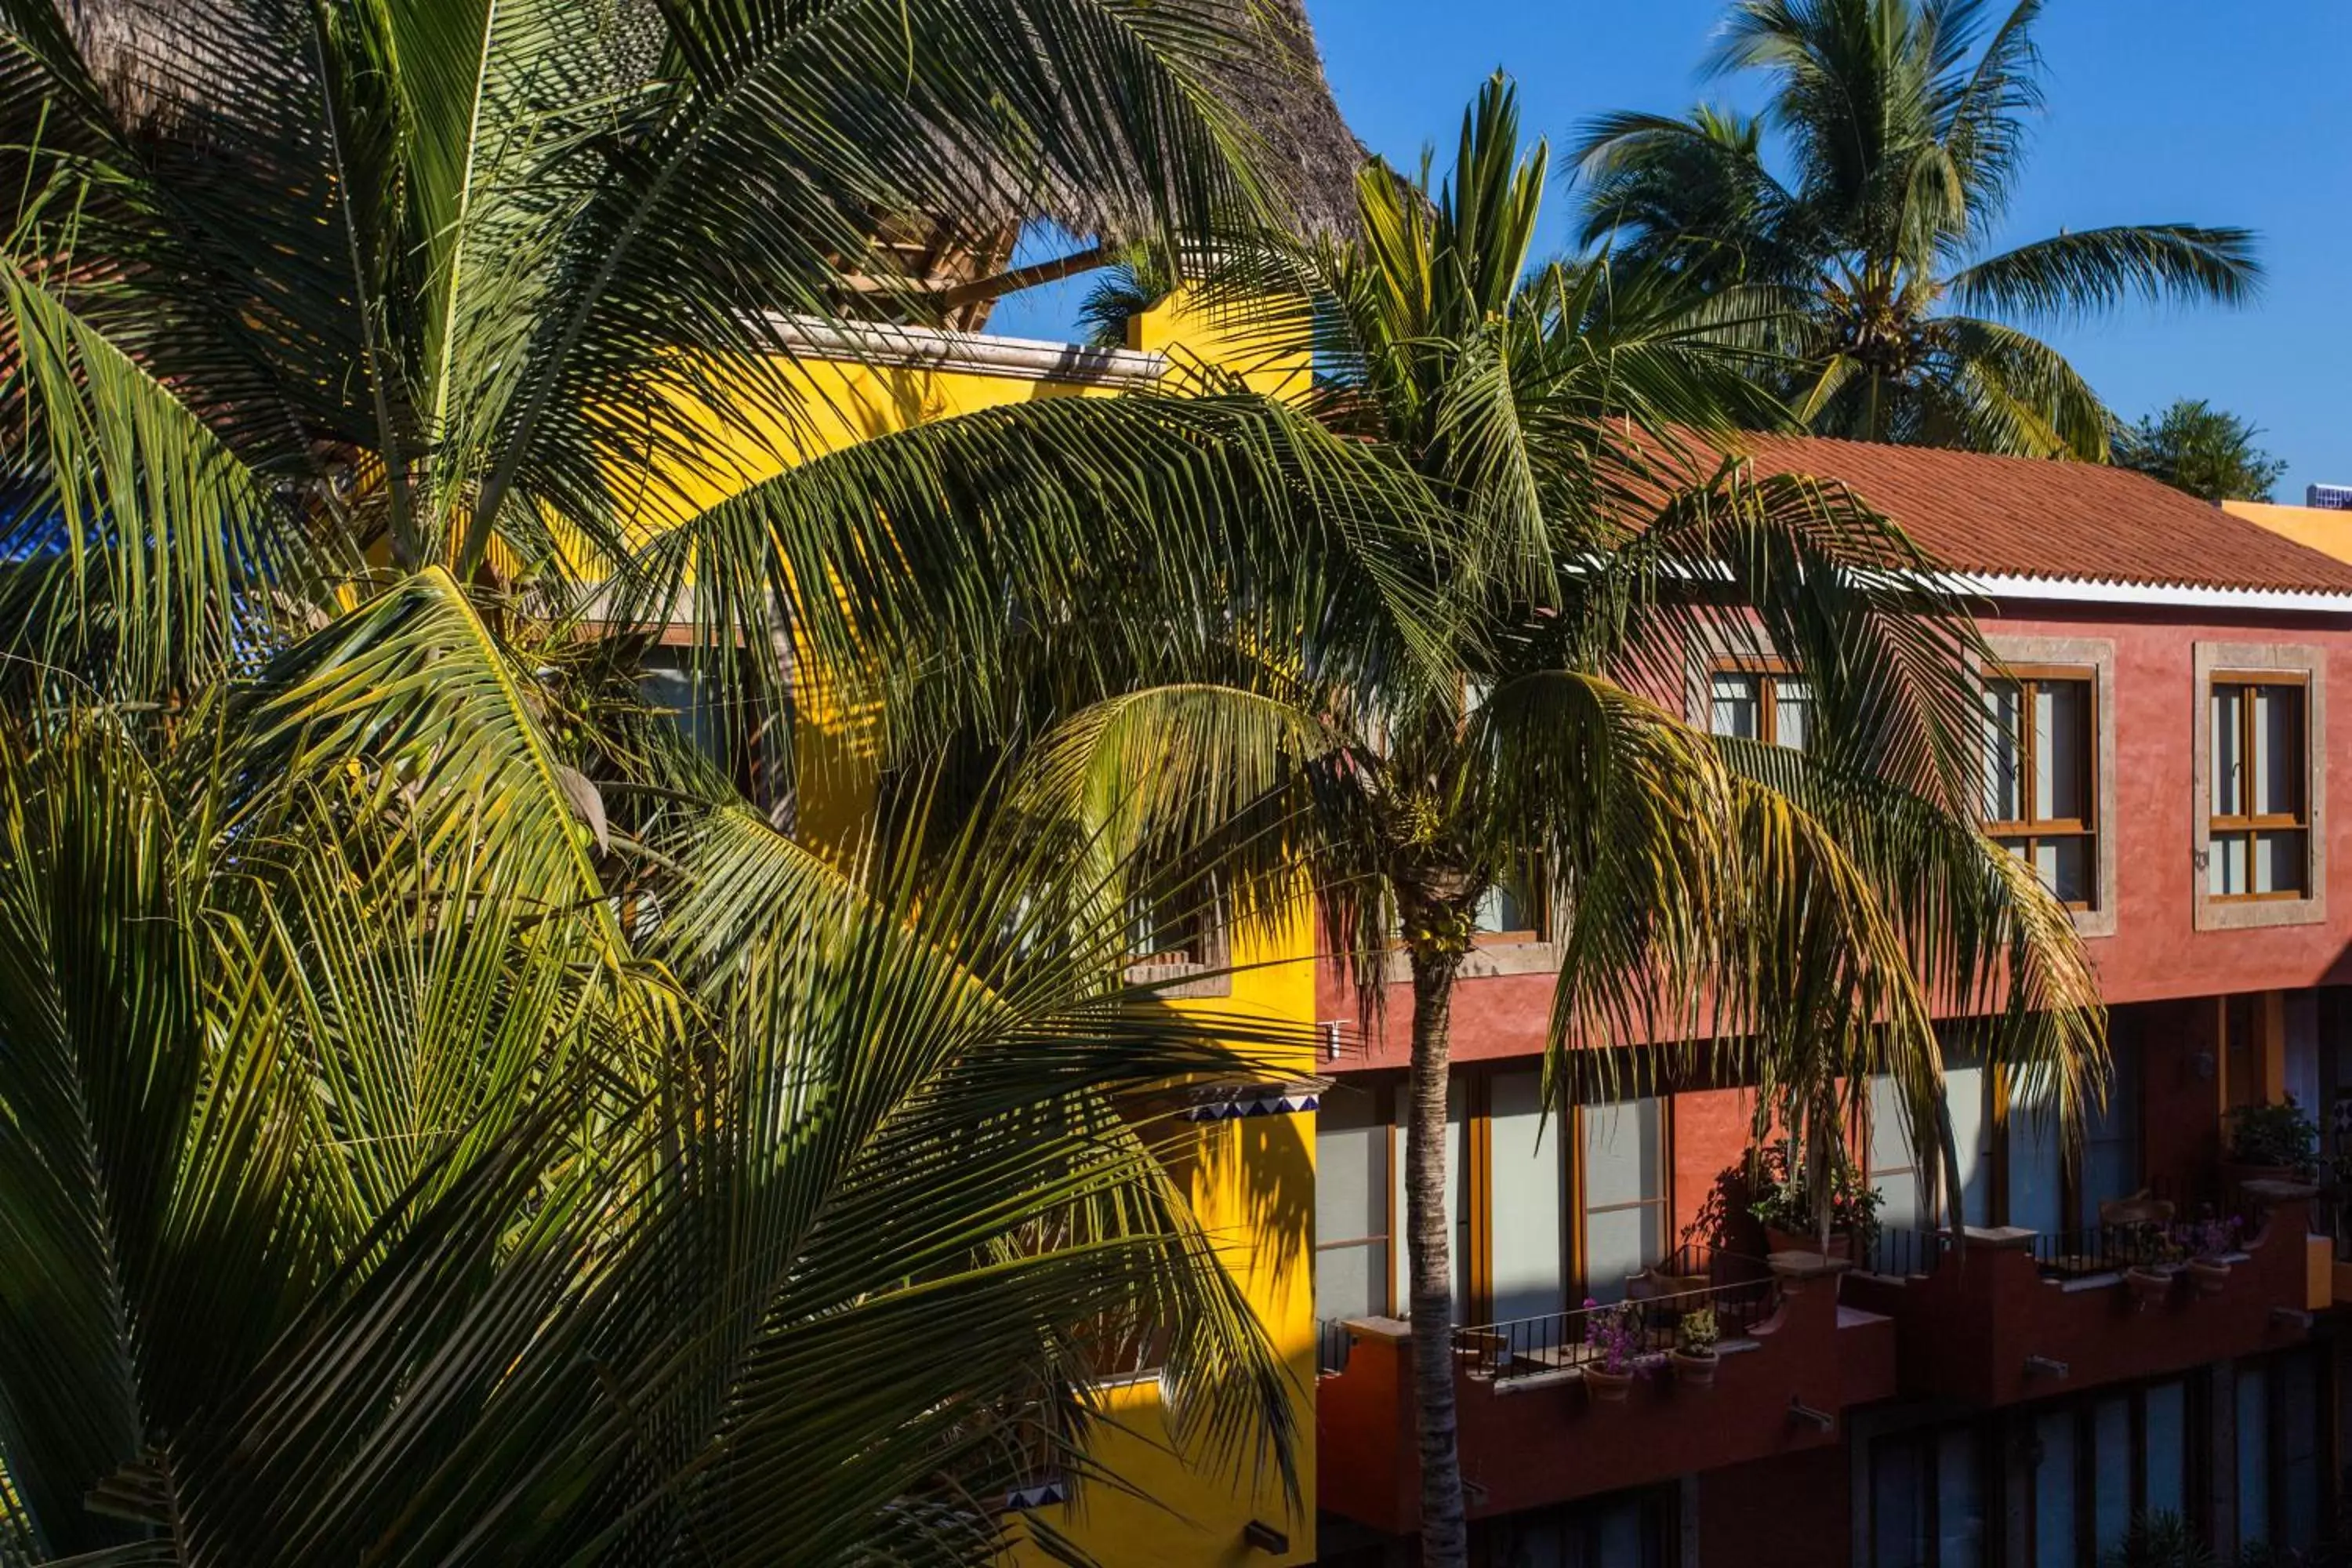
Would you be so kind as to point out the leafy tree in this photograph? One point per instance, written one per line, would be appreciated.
(1472, 705)
(2207, 451)
(1904, 126)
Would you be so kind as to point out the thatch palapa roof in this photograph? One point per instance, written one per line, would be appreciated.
(164, 61)
(1268, 75)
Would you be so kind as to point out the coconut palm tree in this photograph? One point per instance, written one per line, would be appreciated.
(399, 1168)
(443, 1122)
(1489, 699)
(303, 299)
(1904, 128)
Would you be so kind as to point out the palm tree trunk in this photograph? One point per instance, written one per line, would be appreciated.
(1444, 1533)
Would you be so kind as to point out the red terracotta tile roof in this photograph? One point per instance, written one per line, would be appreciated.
(2022, 517)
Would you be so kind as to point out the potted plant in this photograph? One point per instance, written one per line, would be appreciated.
(1784, 1204)
(2155, 1262)
(1694, 1354)
(1613, 1336)
(2209, 1243)
(2273, 1142)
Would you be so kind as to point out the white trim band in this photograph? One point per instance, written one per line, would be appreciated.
(2084, 591)
(972, 353)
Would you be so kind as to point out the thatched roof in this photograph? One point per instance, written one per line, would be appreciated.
(155, 57)
(1270, 79)
(1284, 96)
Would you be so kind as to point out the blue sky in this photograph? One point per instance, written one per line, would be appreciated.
(2161, 111)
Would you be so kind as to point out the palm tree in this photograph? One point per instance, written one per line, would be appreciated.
(1474, 705)
(300, 300)
(444, 1121)
(1903, 125)
(394, 1173)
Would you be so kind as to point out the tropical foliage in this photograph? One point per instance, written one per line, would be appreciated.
(403, 1175)
(441, 1117)
(1488, 701)
(2210, 452)
(1897, 132)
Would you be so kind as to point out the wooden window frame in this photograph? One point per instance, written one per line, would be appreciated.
(2247, 825)
(1767, 674)
(2029, 830)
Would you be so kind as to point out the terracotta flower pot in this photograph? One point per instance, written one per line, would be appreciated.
(1695, 1368)
(1607, 1387)
(2211, 1274)
(2149, 1284)
(1779, 1240)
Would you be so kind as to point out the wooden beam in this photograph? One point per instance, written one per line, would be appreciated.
(1029, 276)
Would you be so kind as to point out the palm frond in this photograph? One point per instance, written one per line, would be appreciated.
(2071, 276)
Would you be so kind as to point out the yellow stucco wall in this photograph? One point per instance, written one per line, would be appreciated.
(1254, 1187)
(1253, 1180)
(2329, 532)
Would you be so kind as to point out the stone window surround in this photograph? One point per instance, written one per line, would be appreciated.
(1718, 646)
(2097, 654)
(2299, 658)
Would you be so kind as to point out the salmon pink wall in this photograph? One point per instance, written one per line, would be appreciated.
(2156, 952)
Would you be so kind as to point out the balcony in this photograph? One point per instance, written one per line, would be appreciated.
(1534, 1430)
(2008, 1315)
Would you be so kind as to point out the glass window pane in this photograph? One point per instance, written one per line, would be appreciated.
(1617, 1242)
(1898, 1512)
(2062, 712)
(2166, 1431)
(2036, 1195)
(1529, 1201)
(1616, 1537)
(2054, 1491)
(1964, 1094)
(2296, 1381)
(2111, 1472)
(2111, 1145)
(1893, 1170)
(2228, 765)
(1621, 1162)
(2225, 865)
(2064, 865)
(1738, 705)
(2278, 750)
(1346, 1278)
(669, 684)
(1959, 1503)
(1792, 711)
(2003, 801)
(2278, 862)
(2253, 1456)
(1351, 1197)
(1500, 910)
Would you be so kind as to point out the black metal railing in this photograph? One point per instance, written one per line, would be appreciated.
(1557, 1342)
(1697, 1260)
(1902, 1253)
(2103, 1249)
